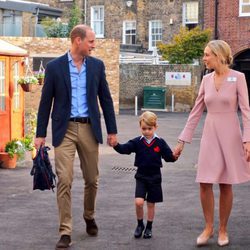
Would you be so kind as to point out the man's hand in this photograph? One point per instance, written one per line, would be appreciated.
(112, 140)
(39, 141)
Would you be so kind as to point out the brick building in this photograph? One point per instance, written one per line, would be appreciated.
(21, 18)
(230, 21)
(139, 24)
(64, 5)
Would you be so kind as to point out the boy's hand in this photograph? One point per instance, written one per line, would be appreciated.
(176, 155)
(178, 149)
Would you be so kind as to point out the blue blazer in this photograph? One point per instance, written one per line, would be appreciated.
(56, 95)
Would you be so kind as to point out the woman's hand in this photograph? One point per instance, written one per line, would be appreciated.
(246, 146)
(178, 149)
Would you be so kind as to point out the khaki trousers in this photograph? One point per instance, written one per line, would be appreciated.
(79, 137)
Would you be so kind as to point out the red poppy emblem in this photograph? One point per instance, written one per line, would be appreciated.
(157, 149)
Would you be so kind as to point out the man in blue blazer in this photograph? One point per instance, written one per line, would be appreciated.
(73, 84)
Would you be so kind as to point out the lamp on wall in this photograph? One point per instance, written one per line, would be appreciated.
(129, 3)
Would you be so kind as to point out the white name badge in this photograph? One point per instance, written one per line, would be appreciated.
(232, 79)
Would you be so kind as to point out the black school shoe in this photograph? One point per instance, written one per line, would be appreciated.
(64, 242)
(139, 231)
(147, 233)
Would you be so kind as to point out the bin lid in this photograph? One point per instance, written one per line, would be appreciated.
(154, 88)
(11, 50)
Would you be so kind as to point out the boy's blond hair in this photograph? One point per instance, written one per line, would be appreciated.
(149, 118)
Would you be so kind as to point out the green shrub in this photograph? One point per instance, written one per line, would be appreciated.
(186, 46)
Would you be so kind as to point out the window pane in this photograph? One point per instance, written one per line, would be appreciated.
(246, 9)
(18, 26)
(7, 26)
(156, 32)
(130, 32)
(2, 87)
(97, 27)
(101, 15)
(192, 12)
(16, 95)
(133, 40)
(97, 20)
(12, 24)
(246, 1)
(96, 14)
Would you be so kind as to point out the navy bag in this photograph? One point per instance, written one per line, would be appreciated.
(43, 176)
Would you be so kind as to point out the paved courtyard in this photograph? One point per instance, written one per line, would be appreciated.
(29, 220)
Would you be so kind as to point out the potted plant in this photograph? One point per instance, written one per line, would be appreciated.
(13, 150)
(27, 83)
(40, 77)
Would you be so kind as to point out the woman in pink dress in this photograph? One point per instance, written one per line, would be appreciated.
(224, 150)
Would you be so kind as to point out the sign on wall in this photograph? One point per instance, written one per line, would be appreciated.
(178, 78)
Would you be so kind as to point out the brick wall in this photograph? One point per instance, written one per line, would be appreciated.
(133, 77)
(142, 11)
(107, 50)
(61, 5)
(233, 29)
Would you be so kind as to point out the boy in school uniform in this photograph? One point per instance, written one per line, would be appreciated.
(149, 149)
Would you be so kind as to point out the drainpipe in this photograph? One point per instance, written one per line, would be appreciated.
(216, 20)
(33, 34)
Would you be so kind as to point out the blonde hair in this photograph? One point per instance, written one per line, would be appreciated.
(149, 118)
(222, 50)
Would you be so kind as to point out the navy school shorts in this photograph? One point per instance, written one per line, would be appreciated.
(149, 190)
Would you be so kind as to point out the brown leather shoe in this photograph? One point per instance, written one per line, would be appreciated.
(64, 242)
(91, 227)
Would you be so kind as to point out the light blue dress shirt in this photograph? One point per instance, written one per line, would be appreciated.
(79, 106)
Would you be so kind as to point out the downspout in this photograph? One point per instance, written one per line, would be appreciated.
(33, 34)
(216, 20)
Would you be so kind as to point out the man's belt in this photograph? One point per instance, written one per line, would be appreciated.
(80, 119)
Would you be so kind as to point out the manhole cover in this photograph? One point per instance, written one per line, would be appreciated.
(124, 169)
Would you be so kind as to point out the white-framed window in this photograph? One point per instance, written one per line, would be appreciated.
(155, 33)
(129, 32)
(244, 8)
(190, 14)
(2, 87)
(97, 20)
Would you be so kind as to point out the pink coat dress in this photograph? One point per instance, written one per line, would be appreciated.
(221, 157)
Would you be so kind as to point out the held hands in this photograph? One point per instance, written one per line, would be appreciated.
(112, 140)
(178, 149)
(246, 147)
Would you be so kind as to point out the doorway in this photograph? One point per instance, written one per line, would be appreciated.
(11, 100)
(242, 64)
